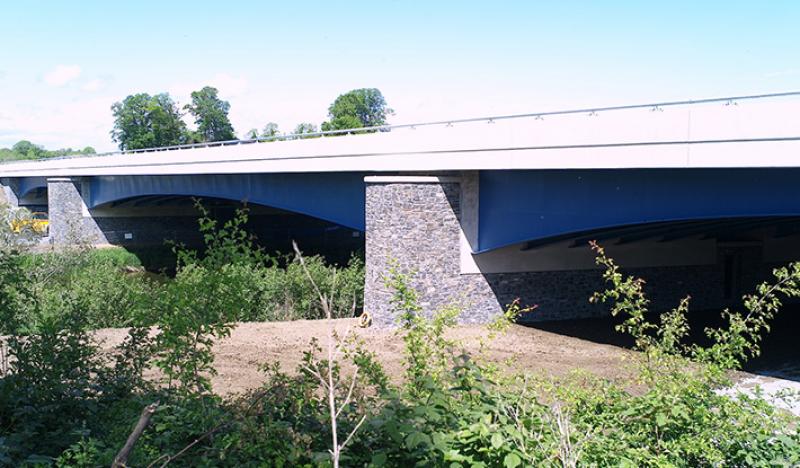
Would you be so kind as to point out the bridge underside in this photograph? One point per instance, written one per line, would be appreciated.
(542, 206)
(481, 239)
(503, 235)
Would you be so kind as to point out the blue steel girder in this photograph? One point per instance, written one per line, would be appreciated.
(335, 197)
(535, 205)
(26, 185)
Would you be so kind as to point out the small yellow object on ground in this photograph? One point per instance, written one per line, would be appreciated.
(364, 320)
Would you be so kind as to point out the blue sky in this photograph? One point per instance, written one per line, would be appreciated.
(62, 64)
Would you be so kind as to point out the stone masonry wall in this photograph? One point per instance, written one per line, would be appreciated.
(66, 209)
(7, 194)
(415, 226)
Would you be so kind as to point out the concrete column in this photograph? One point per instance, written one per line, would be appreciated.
(413, 222)
(70, 219)
(7, 193)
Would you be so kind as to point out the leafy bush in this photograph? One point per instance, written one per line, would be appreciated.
(116, 292)
(681, 419)
(110, 284)
(267, 287)
(62, 401)
(15, 291)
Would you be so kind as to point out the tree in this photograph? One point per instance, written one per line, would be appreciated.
(305, 127)
(211, 115)
(144, 121)
(28, 150)
(358, 108)
(270, 130)
(251, 134)
(25, 149)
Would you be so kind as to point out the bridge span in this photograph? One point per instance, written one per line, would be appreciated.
(702, 198)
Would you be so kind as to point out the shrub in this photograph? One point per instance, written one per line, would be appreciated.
(262, 288)
(15, 291)
(112, 296)
(59, 390)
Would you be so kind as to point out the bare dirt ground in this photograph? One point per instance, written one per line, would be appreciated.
(553, 350)
(251, 345)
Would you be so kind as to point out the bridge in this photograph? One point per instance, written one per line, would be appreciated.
(702, 197)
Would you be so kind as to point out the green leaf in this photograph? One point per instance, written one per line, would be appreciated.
(379, 459)
(512, 460)
(497, 440)
(416, 439)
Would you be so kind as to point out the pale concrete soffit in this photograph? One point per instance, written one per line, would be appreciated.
(412, 179)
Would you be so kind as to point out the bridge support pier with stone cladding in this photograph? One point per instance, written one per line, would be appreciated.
(414, 224)
(8, 193)
(70, 220)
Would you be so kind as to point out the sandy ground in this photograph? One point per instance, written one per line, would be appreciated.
(240, 357)
(251, 345)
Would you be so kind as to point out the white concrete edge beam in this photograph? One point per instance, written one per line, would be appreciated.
(690, 156)
(402, 179)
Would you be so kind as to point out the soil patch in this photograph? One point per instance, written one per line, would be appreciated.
(251, 345)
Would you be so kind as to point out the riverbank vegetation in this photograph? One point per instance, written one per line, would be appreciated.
(64, 403)
(114, 290)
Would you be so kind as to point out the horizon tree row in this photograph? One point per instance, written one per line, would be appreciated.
(148, 121)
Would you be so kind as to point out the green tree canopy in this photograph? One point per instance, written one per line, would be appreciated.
(211, 115)
(145, 121)
(28, 150)
(270, 130)
(358, 108)
(305, 127)
(25, 149)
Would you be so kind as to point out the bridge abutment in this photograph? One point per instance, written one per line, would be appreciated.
(70, 219)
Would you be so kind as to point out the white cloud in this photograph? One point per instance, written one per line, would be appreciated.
(62, 74)
(73, 124)
(92, 85)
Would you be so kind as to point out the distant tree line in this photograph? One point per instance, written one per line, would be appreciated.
(26, 150)
(145, 121)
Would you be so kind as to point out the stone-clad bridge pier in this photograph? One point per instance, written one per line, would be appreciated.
(700, 198)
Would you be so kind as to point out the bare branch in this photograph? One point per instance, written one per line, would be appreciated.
(169, 458)
(349, 393)
(316, 374)
(122, 457)
(335, 348)
(353, 432)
